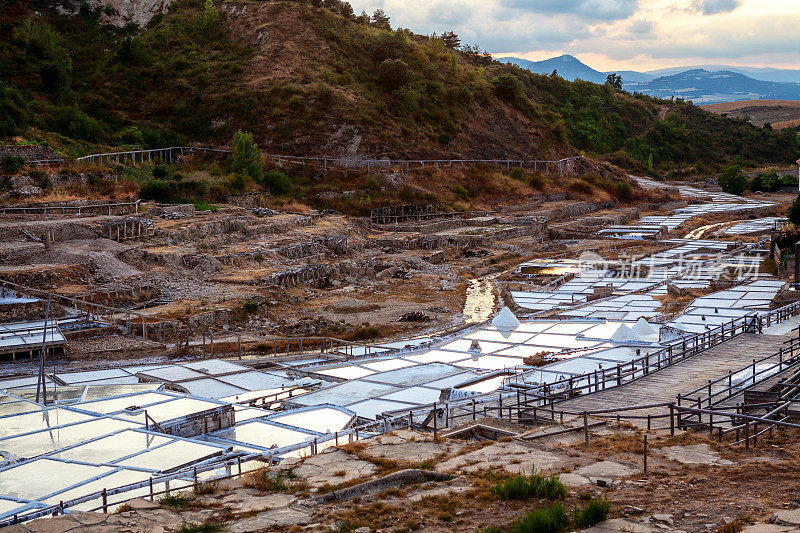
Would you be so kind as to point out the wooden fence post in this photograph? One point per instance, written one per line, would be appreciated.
(586, 428)
(645, 455)
(435, 416)
(672, 419)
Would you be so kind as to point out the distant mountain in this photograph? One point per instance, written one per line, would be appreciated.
(705, 87)
(758, 73)
(700, 85)
(568, 67)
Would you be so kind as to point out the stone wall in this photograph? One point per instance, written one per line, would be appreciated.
(24, 312)
(28, 152)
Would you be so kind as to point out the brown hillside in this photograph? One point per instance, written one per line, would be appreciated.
(321, 65)
(779, 113)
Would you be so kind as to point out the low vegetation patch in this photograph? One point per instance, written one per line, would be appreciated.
(266, 480)
(593, 513)
(556, 519)
(205, 527)
(177, 501)
(521, 487)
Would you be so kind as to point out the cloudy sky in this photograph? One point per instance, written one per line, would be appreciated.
(614, 34)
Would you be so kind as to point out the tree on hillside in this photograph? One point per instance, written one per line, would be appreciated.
(14, 112)
(380, 19)
(451, 40)
(246, 159)
(346, 10)
(732, 180)
(614, 80)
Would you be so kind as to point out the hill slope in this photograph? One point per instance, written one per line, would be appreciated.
(778, 113)
(318, 81)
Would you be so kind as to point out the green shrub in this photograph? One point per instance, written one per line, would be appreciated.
(592, 514)
(624, 191)
(461, 192)
(732, 180)
(14, 113)
(768, 181)
(131, 135)
(507, 86)
(393, 74)
(158, 190)
(160, 172)
(10, 164)
(73, 122)
(277, 182)
(372, 184)
(387, 45)
(546, 520)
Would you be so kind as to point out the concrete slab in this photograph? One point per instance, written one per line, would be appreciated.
(277, 518)
(769, 528)
(320, 469)
(412, 451)
(573, 480)
(60, 524)
(789, 517)
(244, 503)
(605, 469)
(696, 454)
(513, 457)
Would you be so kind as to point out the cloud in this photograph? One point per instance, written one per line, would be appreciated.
(713, 7)
(640, 27)
(449, 13)
(593, 10)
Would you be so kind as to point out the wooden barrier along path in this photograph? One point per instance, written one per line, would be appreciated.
(679, 378)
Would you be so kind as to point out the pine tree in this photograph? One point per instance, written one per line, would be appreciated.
(246, 158)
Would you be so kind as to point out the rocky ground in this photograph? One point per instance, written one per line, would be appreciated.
(407, 481)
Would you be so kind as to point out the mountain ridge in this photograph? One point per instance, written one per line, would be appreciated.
(661, 83)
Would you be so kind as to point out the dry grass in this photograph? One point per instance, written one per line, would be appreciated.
(266, 480)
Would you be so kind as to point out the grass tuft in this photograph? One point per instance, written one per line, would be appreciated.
(266, 481)
(521, 487)
(175, 501)
(545, 520)
(593, 513)
(205, 527)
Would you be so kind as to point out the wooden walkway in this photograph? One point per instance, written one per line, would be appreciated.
(680, 378)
